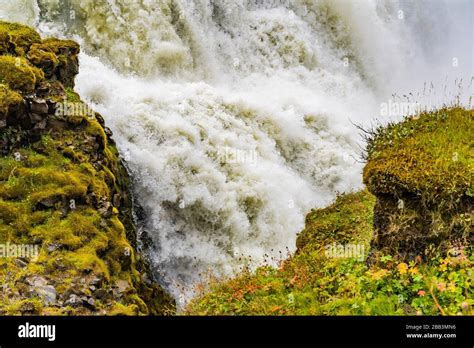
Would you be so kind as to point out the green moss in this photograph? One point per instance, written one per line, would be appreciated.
(52, 53)
(18, 74)
(16, 38)
(8, 98)
(9, 212)
(86, 260)
(59, 58)
(38, 184)
(348, 219)
(27, 306)
(124, 310)
(72, 96)
(43, 59)
(95, 129)
(60, 47)
(415, 156)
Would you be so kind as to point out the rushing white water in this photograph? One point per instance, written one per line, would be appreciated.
(237, 117)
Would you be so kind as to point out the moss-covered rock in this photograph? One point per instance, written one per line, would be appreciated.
(422, 173)
(16, 39)
(19, 74)
(9, 103)
(57, 58)
(63, 194)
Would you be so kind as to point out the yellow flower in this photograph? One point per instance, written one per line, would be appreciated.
(379, 274)
(413, 270)
(451, 287)
(402, 268)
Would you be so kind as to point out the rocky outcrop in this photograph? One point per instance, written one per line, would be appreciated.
(67, 235)
(422, 173)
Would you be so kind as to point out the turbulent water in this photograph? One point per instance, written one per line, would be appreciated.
(238, 117)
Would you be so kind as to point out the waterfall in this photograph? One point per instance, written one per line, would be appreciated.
(237, 117)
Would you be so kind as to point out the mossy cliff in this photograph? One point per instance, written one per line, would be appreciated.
(403, 248)
(422, 173)
(63, 193)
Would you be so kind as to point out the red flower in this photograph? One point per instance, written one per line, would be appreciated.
(422, 292)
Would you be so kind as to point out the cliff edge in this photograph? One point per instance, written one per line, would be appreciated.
(67, 235)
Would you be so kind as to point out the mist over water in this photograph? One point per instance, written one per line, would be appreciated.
(237, 117)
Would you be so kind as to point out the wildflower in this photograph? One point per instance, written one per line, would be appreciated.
(377, 275)
(451, 287)
(443, 267)
(441, 286)
(402, 268)
(421, 293)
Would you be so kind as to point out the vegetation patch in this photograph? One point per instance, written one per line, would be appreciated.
(314, 282)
